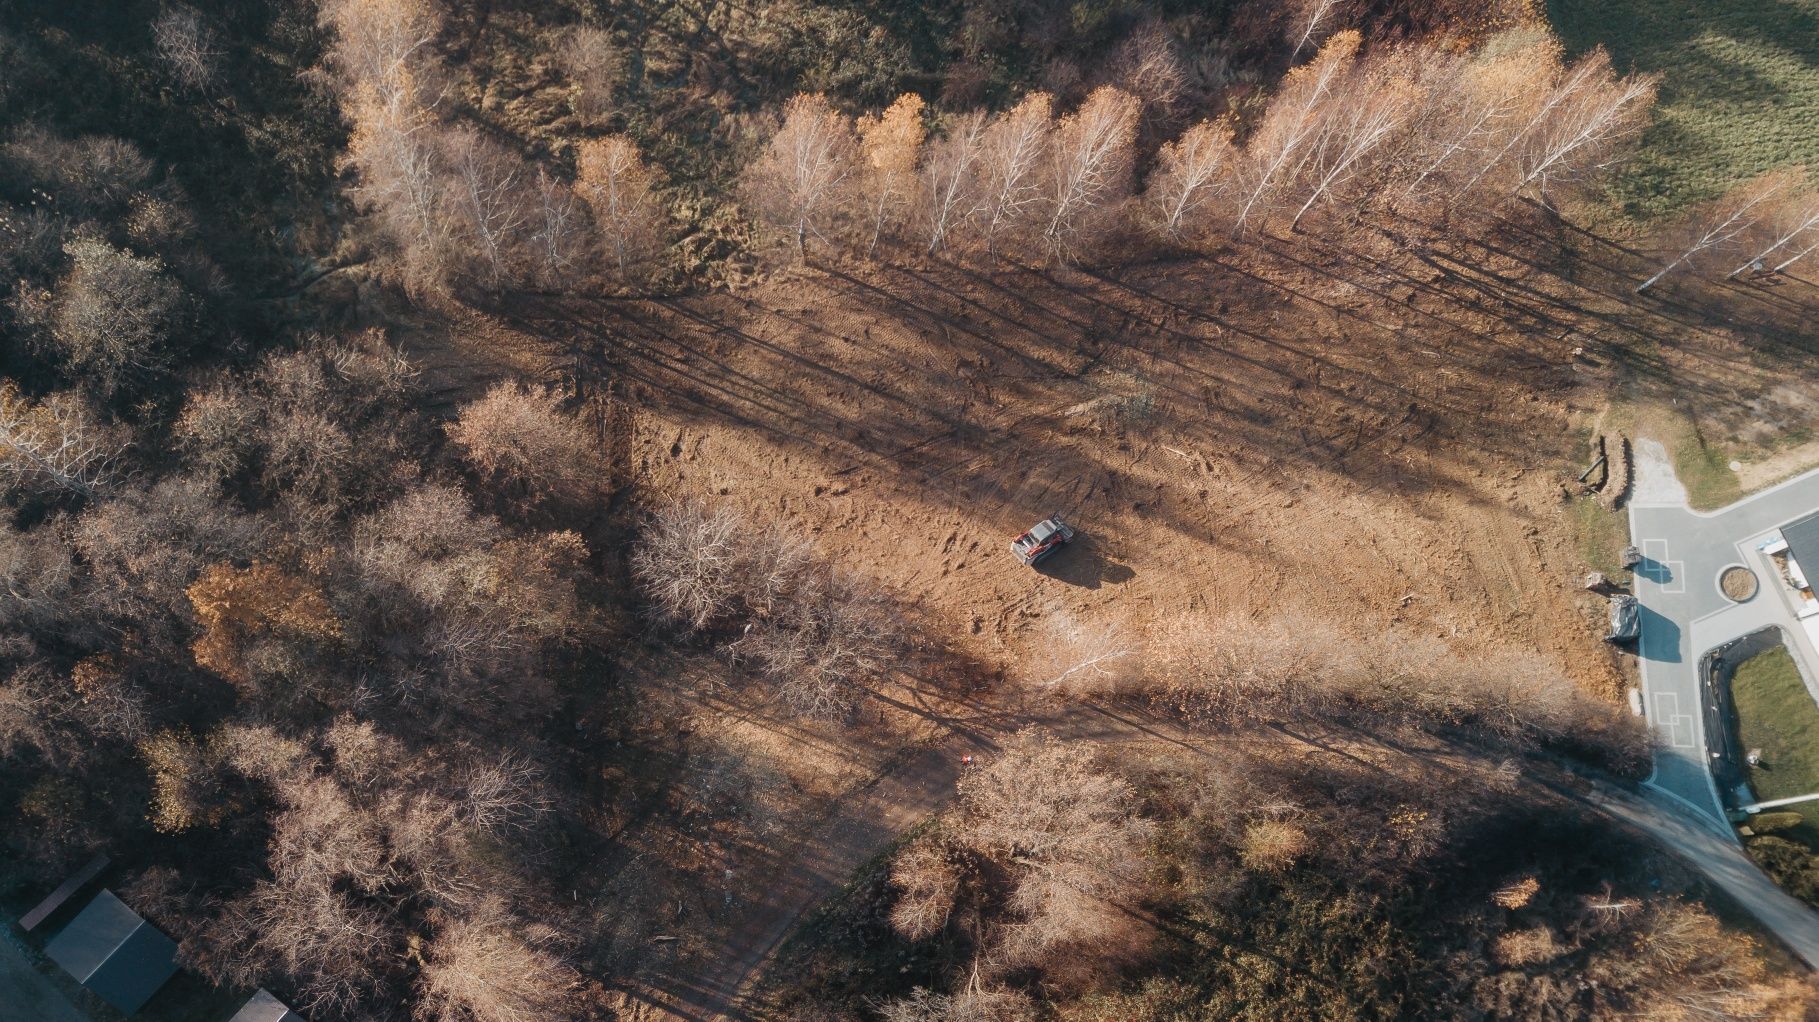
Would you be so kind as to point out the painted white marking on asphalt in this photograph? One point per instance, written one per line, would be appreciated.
(1676, 725)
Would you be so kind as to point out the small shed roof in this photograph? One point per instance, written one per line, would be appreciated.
(1803, 543)
(265, 1008)
(111, 950)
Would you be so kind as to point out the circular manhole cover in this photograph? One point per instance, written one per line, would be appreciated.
(1738, 583)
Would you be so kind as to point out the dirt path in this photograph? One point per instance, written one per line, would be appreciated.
(922, 782)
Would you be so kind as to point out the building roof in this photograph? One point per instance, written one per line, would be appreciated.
(111, 950)
(1802, 538)
(265, 1008)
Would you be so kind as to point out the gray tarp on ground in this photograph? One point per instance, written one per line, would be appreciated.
(115, 953)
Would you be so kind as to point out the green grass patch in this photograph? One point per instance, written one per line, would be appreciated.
(1776, 714)
(1601, 535)
(1704, 469)
(1739, 90)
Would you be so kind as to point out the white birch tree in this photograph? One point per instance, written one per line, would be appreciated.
(799, 182)
(1191, 174)
(950, 178)
(1732, 217)
(1011, 162)
(1091, 158)
(1279, 146)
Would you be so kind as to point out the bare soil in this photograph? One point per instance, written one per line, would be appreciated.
(1366, 442)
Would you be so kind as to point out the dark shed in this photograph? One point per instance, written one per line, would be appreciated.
(111, 950)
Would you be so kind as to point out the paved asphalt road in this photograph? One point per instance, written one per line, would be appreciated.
(27, 994)
(1722, 861)
(1684, 615)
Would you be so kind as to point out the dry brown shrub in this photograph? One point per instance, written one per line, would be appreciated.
(1518, 948)
(488, 968)
(928, 883)
(520, 435)
(1516, 894)
(186, 781)
(1272, 846)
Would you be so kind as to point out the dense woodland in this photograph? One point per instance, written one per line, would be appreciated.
(307, 640)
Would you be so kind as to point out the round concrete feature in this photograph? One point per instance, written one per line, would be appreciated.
(1737, 583)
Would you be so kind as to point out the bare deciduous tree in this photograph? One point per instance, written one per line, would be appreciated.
(380, 43)
(1792, 232)
(1090, 168)
(1588, 117)
(1279, 145)
(688, 563)
(520, 435)
(950, 178)
(186, 45)
(1191, 174)
(621, 190)
(1379, 99)
(395, 149)
(1011, 166)
(487, 969)
(1149, 66)
(559, 234)
(1733, 217)
(928, 883)
(1314, 18)
(889, 146)
(52, 445)
(1473, 104)
(1069, 834)
(799, 182)
(488, 187)
(592, 64)
(1087, 657)
(115, 316)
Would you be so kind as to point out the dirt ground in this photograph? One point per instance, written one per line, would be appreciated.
(1252, 439)
(1362, 441)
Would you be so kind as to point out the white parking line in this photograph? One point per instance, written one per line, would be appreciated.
(1656, 550)
(1678, 726)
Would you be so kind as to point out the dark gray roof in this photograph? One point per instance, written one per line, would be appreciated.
(1803, 542)
(265, 1008)
(115, 953)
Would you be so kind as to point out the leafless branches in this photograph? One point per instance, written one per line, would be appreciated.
(1014, 146)
(1192, 173)
(519, 435)
(889, 147)
(620, 189)
(816, 633)
(1733, 218)
(489, 189)
(187, 46)
(1091, 161)
(1068, 833)
(799, 182)
(1294, 118)
(52, 445)
(949, 178)
(1316, 16)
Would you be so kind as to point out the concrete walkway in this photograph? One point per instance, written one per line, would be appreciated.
(1685, 615)
(26, 993)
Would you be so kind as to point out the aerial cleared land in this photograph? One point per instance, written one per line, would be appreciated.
(506, 509)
